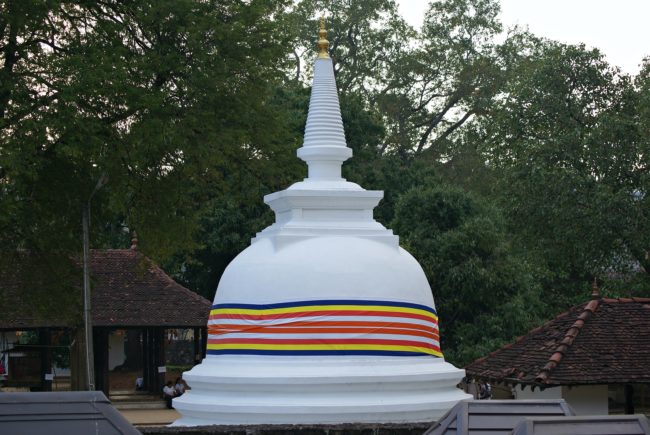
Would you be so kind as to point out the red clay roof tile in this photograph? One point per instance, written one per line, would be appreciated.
(128, 290)
(601, 341)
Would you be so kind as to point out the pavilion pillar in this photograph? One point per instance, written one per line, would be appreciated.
(133, 349)
(629, 398)
(44, 341)
(147, 365)
(77, 372)
(100, 352)
(153, 352)
(159, 356)
(204, 341)
(197, 345)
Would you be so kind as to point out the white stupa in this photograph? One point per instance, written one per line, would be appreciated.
(324, 318)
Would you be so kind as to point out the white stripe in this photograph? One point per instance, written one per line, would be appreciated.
(324, 336)
(290, 320)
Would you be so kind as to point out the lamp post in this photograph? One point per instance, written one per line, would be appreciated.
(88, 338)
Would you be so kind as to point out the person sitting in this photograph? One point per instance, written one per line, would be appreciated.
(179, 388)
(168, 394)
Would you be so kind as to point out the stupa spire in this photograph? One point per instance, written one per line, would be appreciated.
(324, 148)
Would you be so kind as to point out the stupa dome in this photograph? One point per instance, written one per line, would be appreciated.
(339, 268)
(324, 318)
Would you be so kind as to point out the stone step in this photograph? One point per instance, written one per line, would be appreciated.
(134, 397)
(158, 404)
(129, 393)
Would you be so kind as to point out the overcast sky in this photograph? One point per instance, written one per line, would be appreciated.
(619, 28)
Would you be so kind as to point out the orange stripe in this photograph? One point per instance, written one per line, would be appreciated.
(379, 342)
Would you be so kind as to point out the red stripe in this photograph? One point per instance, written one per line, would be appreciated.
(217, 330)
(354, 313)
(324, 341)
(320, 324)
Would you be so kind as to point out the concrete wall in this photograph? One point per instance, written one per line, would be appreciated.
(584, 399)
(527, 393)
(116, 355)
(587, 399)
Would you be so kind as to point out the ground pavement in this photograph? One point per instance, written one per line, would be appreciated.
(150, 417)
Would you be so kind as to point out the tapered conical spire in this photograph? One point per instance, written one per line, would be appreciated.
(324, 148)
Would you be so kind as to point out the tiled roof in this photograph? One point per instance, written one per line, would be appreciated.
(128, 290)
(602, 341)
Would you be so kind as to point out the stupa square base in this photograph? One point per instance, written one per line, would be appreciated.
(252, 389)
(298, 429)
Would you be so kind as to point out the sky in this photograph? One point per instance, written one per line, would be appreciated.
(619, 28)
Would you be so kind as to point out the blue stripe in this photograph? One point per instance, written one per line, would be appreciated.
(323, 302)
(315, 352)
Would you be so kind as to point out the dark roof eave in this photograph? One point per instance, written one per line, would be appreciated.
(552, 384)
(157, 325)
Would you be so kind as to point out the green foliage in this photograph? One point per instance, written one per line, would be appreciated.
(365, 37)
(448, 78)
(167, 98)
(170, 100)
(229, 221)
(487, 294)
(565, 140)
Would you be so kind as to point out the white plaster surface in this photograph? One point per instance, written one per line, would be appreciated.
(324, 244)
(587, 399)
(116, 355)
(584, 399)
(537, 394)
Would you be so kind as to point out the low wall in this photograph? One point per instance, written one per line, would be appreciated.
(338, 429)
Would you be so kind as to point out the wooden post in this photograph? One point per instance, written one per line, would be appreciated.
(100, 352)
(197, 345)
(44, 341)
(629, 399)
(204, 341)
(159, 356)
(77, 368)
(146, 361)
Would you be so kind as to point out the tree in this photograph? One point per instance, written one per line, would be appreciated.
(565, 140)
(486, 294)
(166, 98)
(447, 79)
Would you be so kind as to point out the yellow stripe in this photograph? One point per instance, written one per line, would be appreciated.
(333, 346)
(310, 308)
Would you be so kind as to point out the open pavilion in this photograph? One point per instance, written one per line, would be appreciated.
(142, 320)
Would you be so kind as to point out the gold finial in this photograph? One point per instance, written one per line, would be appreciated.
(323, 43)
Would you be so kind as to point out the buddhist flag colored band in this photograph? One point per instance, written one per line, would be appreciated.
(325, 327)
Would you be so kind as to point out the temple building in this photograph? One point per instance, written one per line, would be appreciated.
(595, 356)
(324, 318)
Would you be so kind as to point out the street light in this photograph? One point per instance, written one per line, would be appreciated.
(85, 222)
